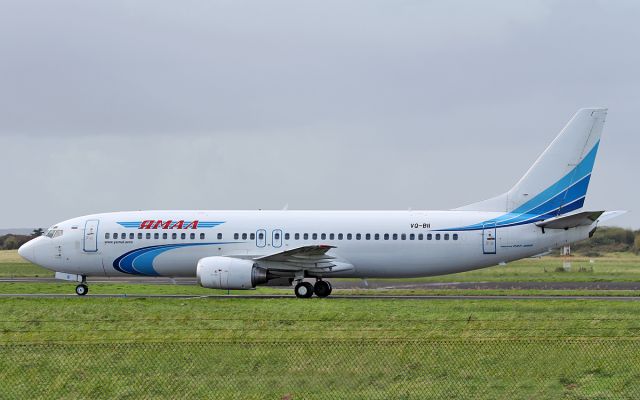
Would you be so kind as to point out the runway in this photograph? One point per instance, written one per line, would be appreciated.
(374, 284)
(332, 297)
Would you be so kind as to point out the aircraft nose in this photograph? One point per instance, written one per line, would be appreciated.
(27, 251)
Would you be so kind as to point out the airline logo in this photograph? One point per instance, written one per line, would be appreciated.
(169, 224)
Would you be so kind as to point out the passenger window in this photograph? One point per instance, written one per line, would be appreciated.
(323, 236)
(174, 235)
(340, 236)
(139, 235)
(455, 236)
(368, 236)
(437, 236)
(412, 237)
(297, 236)
(349, 236)
(202, 236)
(286, 236)
(131, 236)
(358, 236)
(156, 236)
(332, 236)
(236, 236)
(252, 236)
(403, 236)
(244, 236)
(395, 236)
(219, 236)
(183, 236)
(376, 236)
(148, 235)
(386, 236)
(306, 236)
(420, 236)
(429, 236)
(106, 236)
(315, 236)
(115, 236)
(192, 236)
(164, 235)
(446, 236)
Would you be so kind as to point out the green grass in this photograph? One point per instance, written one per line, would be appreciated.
(268, 348)
(200, 347)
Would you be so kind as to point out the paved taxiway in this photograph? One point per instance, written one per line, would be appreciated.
(379, 284)
(334, 297)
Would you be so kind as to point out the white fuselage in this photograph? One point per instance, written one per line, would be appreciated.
(391, 244)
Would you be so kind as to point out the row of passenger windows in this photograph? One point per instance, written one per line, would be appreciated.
(287, 236)
(350, 236)
(148, 235)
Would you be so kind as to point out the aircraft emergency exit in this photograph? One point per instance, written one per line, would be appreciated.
(244, 249)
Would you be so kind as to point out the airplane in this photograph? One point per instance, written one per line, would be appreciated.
(245, 249)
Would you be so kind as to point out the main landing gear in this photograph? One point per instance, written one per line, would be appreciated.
(305, 290)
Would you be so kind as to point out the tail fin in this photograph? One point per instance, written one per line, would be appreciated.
(557, 182)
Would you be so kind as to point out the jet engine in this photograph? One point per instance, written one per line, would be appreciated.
(229, 273)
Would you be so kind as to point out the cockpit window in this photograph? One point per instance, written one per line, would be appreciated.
(53, 233)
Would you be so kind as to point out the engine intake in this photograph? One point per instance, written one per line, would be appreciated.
(229, 273)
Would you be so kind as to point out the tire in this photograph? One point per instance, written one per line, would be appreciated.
(82, 289)
(322, 288)
(304, 290)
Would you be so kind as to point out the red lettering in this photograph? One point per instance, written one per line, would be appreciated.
(146, 224)
(178, 225)
(163, 225)
(192, 225)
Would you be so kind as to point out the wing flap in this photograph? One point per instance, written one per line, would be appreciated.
(310, 258)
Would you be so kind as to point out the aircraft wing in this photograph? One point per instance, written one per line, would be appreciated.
(571, 221)
(313, 257)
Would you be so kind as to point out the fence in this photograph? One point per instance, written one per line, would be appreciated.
(591, 368)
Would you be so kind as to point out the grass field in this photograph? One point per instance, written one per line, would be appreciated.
(257, 348)
(204, 347)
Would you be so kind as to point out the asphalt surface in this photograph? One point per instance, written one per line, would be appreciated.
(334, 297)
(381, 284)
(355, 284)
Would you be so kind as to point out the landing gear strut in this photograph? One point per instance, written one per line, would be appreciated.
(82, 289)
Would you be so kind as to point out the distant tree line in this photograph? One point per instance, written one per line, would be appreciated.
(13, 242)
(609, 240)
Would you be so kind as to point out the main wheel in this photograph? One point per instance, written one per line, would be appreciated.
(304, 290)
(322, 288)
(82, 289)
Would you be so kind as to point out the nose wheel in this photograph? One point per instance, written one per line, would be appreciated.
(82, 289)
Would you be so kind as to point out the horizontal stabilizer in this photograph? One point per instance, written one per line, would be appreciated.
(585, 218)
(611, 215)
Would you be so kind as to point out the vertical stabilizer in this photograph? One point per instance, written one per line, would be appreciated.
(557, 182)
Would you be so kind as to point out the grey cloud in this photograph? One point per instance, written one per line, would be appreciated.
(365, 104)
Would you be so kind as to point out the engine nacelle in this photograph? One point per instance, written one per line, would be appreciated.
(229, 273)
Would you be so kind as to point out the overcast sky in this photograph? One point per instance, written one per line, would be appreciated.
(127, 105)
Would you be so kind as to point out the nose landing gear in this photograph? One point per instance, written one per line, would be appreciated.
(82, 289)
